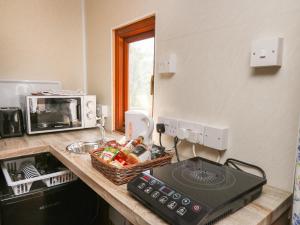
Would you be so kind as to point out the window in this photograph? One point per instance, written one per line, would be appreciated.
(134, 68)
(140, 66)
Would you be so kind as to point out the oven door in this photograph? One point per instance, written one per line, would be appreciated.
(54, 113)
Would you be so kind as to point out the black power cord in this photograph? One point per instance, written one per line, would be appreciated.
(160, 140)
(160, 128)
(176, 140)
(233, 162)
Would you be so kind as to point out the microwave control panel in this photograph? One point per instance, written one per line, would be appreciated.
(89, 115)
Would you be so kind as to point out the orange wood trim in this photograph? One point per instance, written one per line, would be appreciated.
(139, 27)
(119, 118)
(139, 37)
(123, 37)
(126, 79)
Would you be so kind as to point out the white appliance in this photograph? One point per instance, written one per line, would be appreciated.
(138, 123)
(59, 113)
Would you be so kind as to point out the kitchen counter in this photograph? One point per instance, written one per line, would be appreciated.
(267, 209)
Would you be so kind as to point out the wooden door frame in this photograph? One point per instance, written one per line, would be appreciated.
(140, 30)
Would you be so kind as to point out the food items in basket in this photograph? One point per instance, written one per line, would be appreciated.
(112, 143)
(128, 147)
(117, 164)
(121, 157)
(133, 143)
(157, 151)
(109, 153)
(132, 159)
(98, 153)
(139, 154)
(139, 140)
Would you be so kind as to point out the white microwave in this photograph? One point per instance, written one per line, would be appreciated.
(59, 113)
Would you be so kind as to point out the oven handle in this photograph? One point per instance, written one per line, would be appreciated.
(233, 163)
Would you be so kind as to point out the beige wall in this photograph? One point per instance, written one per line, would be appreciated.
(42, 40)
(214, 83)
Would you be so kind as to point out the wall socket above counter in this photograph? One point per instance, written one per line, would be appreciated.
(195, 132)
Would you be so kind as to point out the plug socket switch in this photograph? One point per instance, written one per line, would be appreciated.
(193, 131)
(170, 125)
(193, 137)
(182, 133)
(216, 138)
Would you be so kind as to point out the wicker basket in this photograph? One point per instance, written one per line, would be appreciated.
(123, 175)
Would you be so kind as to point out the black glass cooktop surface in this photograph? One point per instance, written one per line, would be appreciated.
(211, 183)
(195, 191)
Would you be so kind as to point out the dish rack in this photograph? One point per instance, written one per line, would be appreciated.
(24, 185)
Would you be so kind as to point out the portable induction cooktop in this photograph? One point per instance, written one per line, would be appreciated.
(197, 191)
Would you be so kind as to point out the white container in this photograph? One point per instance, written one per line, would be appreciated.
(138, 123)
(23, 186)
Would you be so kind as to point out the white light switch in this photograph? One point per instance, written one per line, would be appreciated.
(167, 65)
(215, 138)
(263, 54)
(267, 52)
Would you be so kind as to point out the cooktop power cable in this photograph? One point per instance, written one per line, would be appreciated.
(176, 141)
(233, 162)
(194, 150)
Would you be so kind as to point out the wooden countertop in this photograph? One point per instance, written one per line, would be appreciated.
(265, 210)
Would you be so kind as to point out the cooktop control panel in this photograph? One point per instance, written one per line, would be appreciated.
(170, 204)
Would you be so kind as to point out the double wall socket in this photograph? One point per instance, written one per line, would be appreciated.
(197, 133)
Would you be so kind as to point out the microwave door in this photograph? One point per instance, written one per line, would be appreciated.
(49, 114)
(73, 111)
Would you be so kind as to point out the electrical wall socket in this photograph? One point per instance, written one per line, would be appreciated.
(170, 125)
(102, 110)
(216, 138)
(191, 131)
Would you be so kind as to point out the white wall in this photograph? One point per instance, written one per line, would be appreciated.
(214, 83)
(42, 40)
